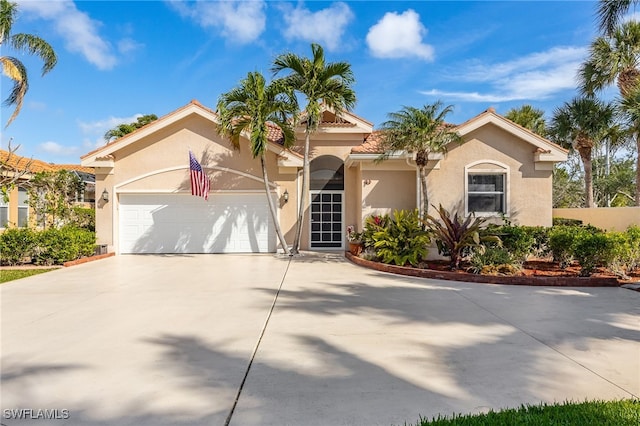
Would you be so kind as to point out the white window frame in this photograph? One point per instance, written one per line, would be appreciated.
(4, 205)
(23, 206)
(500, 169)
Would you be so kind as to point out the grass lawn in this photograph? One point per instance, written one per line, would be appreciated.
(7, 275)
(591, 413)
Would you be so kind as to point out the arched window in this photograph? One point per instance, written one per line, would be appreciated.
(487, 188)
(327, 173)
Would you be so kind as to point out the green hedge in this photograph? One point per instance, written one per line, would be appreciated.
(48, 247)
(16, 245)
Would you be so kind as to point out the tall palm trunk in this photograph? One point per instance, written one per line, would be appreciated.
(422, 157)
(425, 193)
(638, 170)
(303, 191)
(585, 155)
(272, 207)
(584, 146)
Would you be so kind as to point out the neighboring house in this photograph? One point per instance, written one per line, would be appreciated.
(502, 169)
(15, 212)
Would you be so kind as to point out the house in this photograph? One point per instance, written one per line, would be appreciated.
(501, 170)
(17, 169)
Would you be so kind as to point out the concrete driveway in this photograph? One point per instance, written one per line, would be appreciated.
(166, 340)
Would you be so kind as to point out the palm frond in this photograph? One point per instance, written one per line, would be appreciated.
(8, 11)
(16, 71)
(35, 45)
(610, 13)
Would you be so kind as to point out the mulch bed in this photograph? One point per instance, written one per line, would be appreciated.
(534, 273)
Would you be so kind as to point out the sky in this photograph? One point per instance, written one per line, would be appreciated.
(118, 60)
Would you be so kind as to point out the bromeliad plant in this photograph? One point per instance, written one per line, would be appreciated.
(455, 236)
(401, 239)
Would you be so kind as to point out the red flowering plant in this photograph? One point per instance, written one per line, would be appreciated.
(352, 235)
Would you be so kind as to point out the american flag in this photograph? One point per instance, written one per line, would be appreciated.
(199, 179)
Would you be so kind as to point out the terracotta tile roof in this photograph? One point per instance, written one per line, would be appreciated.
(274, 134)
(19, 163)
(73, 167)
(370, 145)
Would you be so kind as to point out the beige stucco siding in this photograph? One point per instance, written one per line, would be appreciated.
(384, 191)
(159, 163)
(528, 190)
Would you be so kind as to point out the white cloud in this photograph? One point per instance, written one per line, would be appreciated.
(79, 31)
(94, 130)
(399, 36)
(238, 21)
(128, 45)
(536, 76)
(326, 26)
(55, 148)
(37, 106)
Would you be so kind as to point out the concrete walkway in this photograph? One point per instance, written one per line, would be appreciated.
(165, 340)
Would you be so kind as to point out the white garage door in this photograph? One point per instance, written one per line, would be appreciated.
(182, 223)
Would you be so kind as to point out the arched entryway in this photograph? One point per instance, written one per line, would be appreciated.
(327, 203)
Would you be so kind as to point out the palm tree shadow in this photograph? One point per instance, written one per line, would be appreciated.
(211, 233)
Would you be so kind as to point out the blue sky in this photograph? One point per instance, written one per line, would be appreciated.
(120, 59)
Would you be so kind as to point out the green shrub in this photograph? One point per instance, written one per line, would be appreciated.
(520, 241)
(561, 242)
(592, 249)
(625, 251)
(373, 224)
(403, 240)
(562, 221)
(455, 236)
(16, 244)
(56, 246)
(493, 260)
(84, 218)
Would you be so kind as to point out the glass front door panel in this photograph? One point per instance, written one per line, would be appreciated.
(326, 219)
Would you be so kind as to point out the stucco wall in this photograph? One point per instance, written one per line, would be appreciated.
(609, 218)
(159, 163)
(384, 191)
(528, 190)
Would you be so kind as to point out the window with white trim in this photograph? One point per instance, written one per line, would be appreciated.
(486, 188)
(4, 212)
(23, 208)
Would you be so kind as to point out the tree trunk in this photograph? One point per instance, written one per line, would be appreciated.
(425, 194)
(303, 192)
(588, 177)
(272, 207)
(638, 170)
(422, 158)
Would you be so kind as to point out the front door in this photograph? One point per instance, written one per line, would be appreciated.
(326, 219)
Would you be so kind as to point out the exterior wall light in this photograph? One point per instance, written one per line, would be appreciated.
(285, 196)
(105, 195)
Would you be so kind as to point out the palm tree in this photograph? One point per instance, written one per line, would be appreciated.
(580, 125)
(322, 84)
(610, 12)
(530, 118)
(251, 108)
(616, 58)
(629, 108)
(419, 130)
(125, 128)
(613, 59)
(13, 67)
